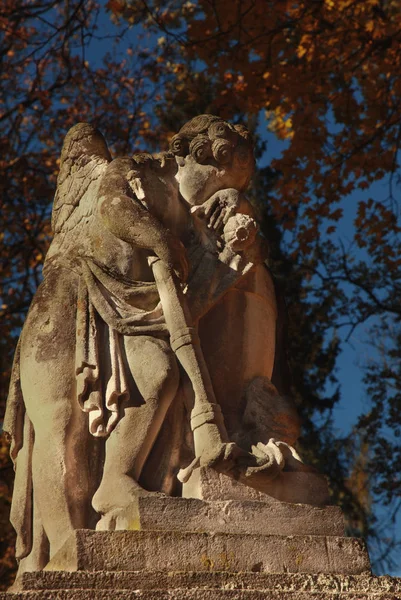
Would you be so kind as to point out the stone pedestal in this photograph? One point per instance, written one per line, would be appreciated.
(250, 549)
(297, 487)
(88, 550)
(204, 586)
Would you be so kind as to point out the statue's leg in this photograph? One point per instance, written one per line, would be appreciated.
(59, 461)
(155, 372)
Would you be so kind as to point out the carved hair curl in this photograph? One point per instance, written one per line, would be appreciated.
(201, 148)
(208, 136)
(222, 151)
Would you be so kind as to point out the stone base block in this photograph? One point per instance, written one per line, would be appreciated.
(159, 580)
(290, 487)
(233, 516)
(192, 551)
(203, 586)
(185, 594)
(212, 550)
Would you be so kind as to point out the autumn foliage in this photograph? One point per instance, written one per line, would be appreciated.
(325, 78)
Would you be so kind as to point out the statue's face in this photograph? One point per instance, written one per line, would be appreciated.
(198, 182)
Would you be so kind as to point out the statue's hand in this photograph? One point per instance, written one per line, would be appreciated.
(172, 251)
(219, 208)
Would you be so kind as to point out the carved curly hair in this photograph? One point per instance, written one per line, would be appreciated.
(208, 136)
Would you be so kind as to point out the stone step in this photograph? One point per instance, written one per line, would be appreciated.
(156, 580)
(192, 594)
(234, 516)
(88, 550)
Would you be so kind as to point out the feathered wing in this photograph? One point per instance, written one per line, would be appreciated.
(84, 157)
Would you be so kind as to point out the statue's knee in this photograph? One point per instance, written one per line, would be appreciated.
(154, 367)
(56, 422)
(167, 378)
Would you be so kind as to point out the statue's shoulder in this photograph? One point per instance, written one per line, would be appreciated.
(139, 175)
(160, 164)
(143, 164)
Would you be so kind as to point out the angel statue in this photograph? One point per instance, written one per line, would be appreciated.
(155, 296)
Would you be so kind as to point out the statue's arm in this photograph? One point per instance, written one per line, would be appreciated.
(223, 215)
(123, 214)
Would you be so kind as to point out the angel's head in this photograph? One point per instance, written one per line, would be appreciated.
(211, 155)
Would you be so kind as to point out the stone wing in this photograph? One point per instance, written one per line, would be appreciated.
(84, 157)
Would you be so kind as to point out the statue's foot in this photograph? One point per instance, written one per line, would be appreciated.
(125, 518)
(116, 501)
(115, 520)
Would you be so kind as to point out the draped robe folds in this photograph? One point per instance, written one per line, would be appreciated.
(127, 308)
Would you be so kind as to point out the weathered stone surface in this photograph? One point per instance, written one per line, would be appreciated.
(183, 594)
(191, 551)
(151, 580)
(207, 586)
(292, 487)
(233, 516)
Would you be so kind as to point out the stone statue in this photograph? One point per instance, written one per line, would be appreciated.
(155, 303)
